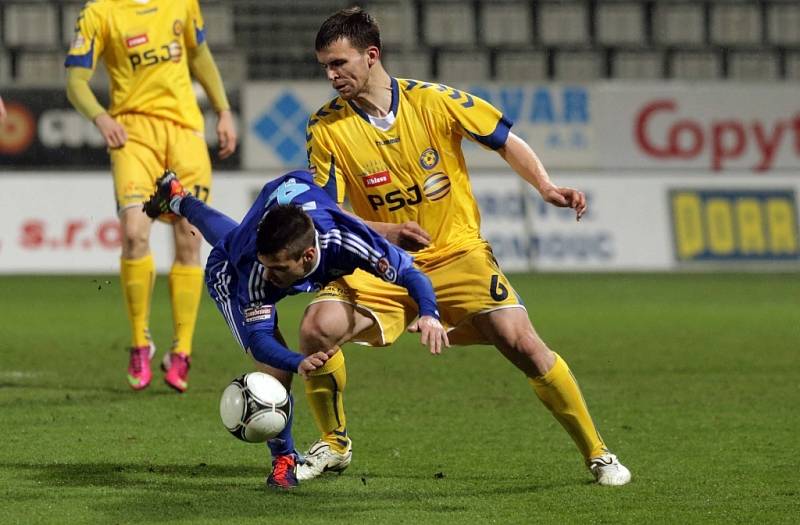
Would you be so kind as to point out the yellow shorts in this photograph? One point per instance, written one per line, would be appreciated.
(155, 144)
(466, 284)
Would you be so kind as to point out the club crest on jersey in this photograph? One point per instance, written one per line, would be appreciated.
(377, 179)
(259, 312)
(429, 159)
(177, 27)
(386, 270)
(133, 41)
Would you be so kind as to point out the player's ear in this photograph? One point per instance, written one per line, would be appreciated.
(373, 55)
(310, 254)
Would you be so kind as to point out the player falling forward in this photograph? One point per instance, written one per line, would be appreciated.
(394, 147)
(149, 47)
(294, 239)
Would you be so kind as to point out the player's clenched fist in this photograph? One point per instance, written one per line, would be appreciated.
(431, 333)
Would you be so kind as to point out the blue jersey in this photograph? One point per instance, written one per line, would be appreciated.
(236, 279)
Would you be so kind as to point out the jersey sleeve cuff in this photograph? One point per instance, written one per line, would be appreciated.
(497, 138)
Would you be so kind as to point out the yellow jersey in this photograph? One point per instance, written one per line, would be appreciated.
(413, 171)
(144, 45)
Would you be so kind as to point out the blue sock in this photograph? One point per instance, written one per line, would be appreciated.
(214, 225)
(283, 443)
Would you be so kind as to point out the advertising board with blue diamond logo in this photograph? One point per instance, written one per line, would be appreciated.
(276, 118)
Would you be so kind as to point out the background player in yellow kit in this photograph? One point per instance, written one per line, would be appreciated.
(153, 123)
(393, 147)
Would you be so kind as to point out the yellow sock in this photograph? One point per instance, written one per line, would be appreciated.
(185, 291)
(560, 393)
(324, 391)
(138, 276)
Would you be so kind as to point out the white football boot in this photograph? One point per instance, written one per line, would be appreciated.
(320, 458)
(608, 470)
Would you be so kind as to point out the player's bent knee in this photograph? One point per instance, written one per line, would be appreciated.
(324, 326)
(317, 334)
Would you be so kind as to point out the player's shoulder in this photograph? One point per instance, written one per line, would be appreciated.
(99, 6)
(432, 92)
(328, 114)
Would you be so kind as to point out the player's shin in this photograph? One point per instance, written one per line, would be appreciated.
(137, 277)
(324, 391)
(283, 443)
(185, 290)
(560, 393)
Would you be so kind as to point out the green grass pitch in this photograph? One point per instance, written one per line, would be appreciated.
(693, 380)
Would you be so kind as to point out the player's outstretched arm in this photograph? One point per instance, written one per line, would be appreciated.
(526, 163)
(2, 111)
(432, 333)
(382, 259)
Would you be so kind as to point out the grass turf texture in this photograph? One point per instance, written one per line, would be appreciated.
(692, 380)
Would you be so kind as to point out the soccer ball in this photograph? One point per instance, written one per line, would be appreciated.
(255, 407)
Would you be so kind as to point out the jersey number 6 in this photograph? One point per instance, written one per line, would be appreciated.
(497, 289)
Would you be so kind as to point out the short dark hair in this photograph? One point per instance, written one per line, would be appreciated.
(285, 226)
(354, 24)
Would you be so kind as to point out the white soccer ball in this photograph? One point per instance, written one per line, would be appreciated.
(255, 407)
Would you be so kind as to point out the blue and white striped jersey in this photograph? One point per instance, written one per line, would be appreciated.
(345, 244)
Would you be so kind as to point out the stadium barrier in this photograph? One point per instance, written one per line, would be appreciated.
(50, 223)
(602, 127)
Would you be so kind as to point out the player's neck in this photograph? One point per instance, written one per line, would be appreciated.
(376, 99)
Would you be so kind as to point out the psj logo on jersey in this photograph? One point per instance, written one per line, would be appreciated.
(738, 225)
(171, 52)
(436, 187)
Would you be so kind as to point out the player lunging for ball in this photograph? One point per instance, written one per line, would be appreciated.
(394, 147)
(294, 239)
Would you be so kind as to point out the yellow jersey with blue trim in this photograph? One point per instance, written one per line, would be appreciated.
(144, 45)
(411, 169)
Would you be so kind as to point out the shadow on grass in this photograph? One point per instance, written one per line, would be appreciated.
(145, 493)
(128, 475)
